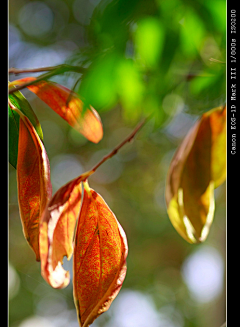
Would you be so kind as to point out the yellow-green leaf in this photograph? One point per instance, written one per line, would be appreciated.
(198, 166)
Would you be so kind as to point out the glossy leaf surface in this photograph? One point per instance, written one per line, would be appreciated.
(67, 105)
(57, 230)
(99, 258)
(33, 180)
(19, 101)
(198, 166)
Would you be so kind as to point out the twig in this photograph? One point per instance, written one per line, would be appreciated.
(116, 149)
(72, 90)
(38, 79)
(55, 70)
(217, 61)
(17, 71)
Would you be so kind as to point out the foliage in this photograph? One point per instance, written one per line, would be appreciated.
(147, 61)
(152, 54)
(100, 249)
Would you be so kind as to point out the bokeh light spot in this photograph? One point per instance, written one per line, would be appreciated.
(13, 282)
(203, 273)
(35, 18)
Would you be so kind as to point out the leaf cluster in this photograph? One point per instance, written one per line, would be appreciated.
(98, 242)
(149, 61)
(137, 55)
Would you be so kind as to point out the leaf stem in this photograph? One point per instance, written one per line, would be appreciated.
(224, 105)
(52, 71)
(86, 187)
(117, 148)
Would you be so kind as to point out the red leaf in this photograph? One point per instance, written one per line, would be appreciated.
(99, 258)
(67, 105)
(33, 178)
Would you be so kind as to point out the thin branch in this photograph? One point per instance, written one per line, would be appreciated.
(66, 67)
(38, 79)
(116, 149)
(72, 90)
(217, 61)
(55, 70)
(17, 71)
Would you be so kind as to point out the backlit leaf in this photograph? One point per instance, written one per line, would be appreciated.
(149, 37)
(67, 105)
(57, 230)
(198, 166)
(33, 180)
(56, 233)
(98, 86)
(99, 258)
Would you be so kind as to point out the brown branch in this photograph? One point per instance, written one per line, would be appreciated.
(117, 148)
(88, 173)
(17, 71)
(65, 67)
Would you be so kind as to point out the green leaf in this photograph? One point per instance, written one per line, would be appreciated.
(130, 89)
(192, 33)
(149, 39)
(20, 102)
(98, 86)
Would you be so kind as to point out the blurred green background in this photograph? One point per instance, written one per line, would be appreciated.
(160, 58)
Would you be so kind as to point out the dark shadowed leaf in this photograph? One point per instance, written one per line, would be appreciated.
(19, 101)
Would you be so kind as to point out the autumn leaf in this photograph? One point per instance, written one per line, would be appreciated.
(33, 180)
(67, 104)
(198, 166)
(99, 258)
(57, 230)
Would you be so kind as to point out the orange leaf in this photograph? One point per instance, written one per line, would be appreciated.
(57, 230)
(33, 178)
(198, 166)
(99, 258)
(67, 105)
